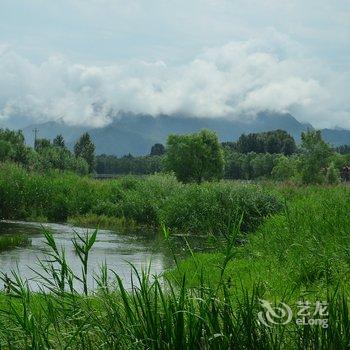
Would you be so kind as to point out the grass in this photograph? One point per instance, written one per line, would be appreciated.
(103, 222)
(152, 201)
(14, 240)
(304, 249)
(156, 313)
(297, 249)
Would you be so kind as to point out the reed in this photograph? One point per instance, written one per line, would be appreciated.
(156, 313)
(209, 208)
(14, 240)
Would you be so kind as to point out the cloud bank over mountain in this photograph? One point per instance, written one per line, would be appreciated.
(237, 78)
(209, 58)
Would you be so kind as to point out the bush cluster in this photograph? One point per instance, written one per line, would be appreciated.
(153, 200)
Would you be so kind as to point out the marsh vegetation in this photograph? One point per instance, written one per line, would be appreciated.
(277, 241)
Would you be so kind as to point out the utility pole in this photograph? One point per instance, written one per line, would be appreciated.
(35, 131)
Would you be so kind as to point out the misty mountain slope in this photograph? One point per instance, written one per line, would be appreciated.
(112, 140)
(336, 137)
(158, 128)
(136, 133)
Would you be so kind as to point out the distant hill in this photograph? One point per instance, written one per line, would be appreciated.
(336, 137)
(136, 133)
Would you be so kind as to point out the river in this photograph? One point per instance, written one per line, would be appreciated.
(118, 250)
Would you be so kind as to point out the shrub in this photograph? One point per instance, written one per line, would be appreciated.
(332, 175)
(315, 157)
(143, 201)
(53, 195)
(217, 207)
(157, 199)
(285, 169)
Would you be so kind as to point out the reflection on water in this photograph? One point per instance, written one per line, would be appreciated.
(143, 250)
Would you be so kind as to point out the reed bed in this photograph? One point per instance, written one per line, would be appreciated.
(156, 313)
(10, 241)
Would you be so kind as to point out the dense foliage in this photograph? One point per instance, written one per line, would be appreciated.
(13, 148)
(297, 249)
(274, 156)
(195, 157)
(84, 148)
(277, 141)
(315, 162)
(128, 164)
(316, 155)
(210, 300)
(154, 200)
(157, 149)
(44, 157)
(302, 248)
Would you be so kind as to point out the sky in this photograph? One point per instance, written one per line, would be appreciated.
(78, 60)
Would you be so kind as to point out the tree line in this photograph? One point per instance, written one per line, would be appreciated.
(194, 157)
(272, 155)
(268, 155)
(273, 142)
(46, 154)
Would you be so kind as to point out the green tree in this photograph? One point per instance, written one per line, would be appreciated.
(289, 146)
(6, 151)
(19, 152)
(233, 164)
(277, 141)
(332, 175)
(195, 157)
(41, 144)
(157, 149)
(285, 168)
(58, 141)
(85, 149)
(250, 143)
(315, 157)
(262, 165)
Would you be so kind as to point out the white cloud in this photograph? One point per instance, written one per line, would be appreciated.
(268, 72)
(283, 95)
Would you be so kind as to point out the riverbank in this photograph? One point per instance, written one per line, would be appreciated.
(155, 201)
(297, 251)
(303, 250)
(210, 301)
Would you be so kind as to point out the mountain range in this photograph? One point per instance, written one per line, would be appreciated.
(136, 133)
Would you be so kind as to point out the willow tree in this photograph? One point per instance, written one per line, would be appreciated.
(195, 157)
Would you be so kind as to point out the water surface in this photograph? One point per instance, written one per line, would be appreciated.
(142, 249)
